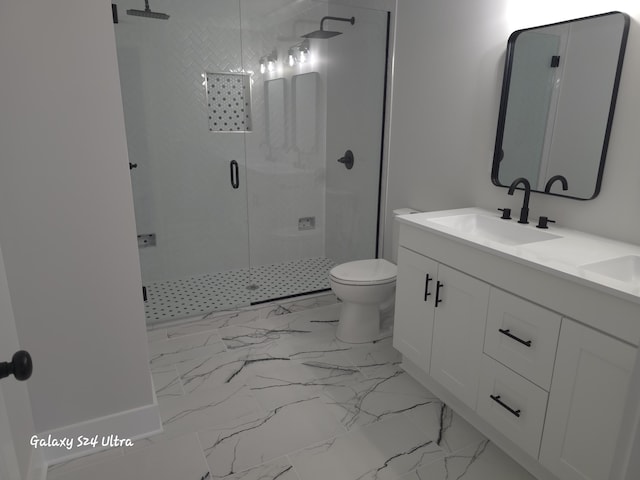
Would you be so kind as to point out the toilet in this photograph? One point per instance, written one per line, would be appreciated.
(364, 286)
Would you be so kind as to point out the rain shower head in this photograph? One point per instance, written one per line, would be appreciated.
(324, 34)
(148, 13)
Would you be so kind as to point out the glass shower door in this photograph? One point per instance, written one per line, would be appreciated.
(187, 105)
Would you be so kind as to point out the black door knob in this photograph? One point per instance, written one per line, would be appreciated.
(20, 366)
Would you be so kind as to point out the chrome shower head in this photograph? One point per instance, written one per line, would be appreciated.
(324, 34)
(148, 13)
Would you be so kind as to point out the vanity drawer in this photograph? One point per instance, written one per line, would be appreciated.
(523, 336)
(512, 405)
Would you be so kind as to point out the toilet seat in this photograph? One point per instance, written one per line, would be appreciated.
(364, 272)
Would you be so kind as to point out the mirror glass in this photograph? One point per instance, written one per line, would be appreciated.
(558, 97)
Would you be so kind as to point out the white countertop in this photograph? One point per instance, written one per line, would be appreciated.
(564, 256)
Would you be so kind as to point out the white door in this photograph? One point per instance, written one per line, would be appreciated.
(16, 422)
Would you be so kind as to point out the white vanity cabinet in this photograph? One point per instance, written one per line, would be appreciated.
(536, 361)
(590, 381)
(439, 322)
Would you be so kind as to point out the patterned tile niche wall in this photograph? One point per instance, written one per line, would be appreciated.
(229, 102)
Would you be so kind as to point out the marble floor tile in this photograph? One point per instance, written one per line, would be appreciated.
(361, 401)
(453, 432)
(177, 350)
(277, 384)
(480, 461)
(244, 315)
(207, 409)
(324, 342)
(241, 445)
(270, 393)
(266, 331)
(280, 469)
(166, 382)
(224, 368)
(370, 358)
(156, 334)
(384, 450)
(181, 458)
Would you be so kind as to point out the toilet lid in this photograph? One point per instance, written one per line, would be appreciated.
(363, 272)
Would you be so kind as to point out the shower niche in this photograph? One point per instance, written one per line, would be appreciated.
(229, 102)
(225, 209)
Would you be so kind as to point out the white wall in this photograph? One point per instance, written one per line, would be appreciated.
(449, 61)
(66, 214)
(355, 94)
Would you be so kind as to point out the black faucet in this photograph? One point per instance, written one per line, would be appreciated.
(524, 212)
(565, 185)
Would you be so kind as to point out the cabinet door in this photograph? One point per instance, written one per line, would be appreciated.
(586, 400)
(458, 333)
(415, 298)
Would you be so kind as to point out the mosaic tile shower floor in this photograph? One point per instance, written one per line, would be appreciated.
(268, 392)
(188, 297)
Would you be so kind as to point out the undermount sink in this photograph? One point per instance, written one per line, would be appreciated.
(493, 229)
(625, 268)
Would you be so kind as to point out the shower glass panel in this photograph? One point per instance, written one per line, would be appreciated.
(307, 212)
(186, 174)
(236, 124)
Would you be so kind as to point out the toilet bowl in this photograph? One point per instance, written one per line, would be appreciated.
(363, 286)
(366, 287)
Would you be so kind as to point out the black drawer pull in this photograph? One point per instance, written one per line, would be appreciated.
(496, 398)
(439, 285)
(426, 287)
(508, 333)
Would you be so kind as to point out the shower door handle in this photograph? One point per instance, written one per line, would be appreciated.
(235, 178)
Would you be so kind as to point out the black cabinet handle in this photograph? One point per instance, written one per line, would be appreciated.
(508, 333)
(496, 398)
(439, 285)
(235, 178)
(21, 366)
(426, 287)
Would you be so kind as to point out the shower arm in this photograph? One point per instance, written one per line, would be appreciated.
(351, 20)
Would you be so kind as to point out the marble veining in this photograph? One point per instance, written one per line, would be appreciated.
(269, 393)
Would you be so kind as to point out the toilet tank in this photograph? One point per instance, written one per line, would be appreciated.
(396, 231)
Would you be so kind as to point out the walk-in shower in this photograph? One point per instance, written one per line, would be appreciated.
(237, 128)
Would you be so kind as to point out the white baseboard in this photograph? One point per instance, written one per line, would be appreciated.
(37, 466)
(132, 424)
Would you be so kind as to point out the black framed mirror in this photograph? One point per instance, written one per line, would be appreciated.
(558, 98)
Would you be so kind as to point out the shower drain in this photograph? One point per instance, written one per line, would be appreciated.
(253, 287)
